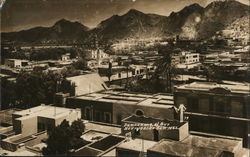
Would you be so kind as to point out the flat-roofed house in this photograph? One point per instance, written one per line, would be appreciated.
(31, 124)
(41, 118)
(16, 63)
(154, 129)
(87, 83)
(175, 140)
(112, 106)
(198, 146)
(217, 108)
(186, 60)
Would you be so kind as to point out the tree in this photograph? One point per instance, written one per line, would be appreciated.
(109, 72)
(29, 89)
(67, 87)
(126, 64)
(64, 137)
(8, 94)
(165, 70)
(77, 128)
(58, 141)
(36, 87)
(81, 64)
(209, 73)
(70, 71)
(152, 85)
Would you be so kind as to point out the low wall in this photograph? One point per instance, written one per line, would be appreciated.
(6, 129)
(37, 140)
(8, 143)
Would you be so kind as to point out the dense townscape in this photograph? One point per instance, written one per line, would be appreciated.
(137, 84)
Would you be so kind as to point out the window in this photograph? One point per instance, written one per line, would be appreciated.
(137, 132)
(119, 119)
(237, 108)
(221, 105)
(98, 116)
(133, 72)
(193, 104)
(24, 63)
(88, 115)
(139, 113)
(156, 135)
(119, 75)
(107, 117)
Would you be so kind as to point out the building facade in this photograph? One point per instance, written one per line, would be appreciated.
(222, 109)
(186, 60)
(16, 63)
(112, 106)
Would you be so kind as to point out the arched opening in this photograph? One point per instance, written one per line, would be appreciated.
(139, 112)
(88, 114)
(156, 135)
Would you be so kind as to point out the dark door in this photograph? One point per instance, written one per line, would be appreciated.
(156, 135)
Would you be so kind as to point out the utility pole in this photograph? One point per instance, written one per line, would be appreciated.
(142, 148)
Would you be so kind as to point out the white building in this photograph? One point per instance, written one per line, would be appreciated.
(65, 57)
(186, 59)
(16, 63)
(98, 54)
(189, 58)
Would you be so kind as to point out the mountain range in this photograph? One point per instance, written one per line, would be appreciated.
(192, 22)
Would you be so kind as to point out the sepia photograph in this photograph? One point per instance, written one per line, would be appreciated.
(125, 78)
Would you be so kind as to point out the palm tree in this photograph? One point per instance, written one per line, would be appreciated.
(166, 70)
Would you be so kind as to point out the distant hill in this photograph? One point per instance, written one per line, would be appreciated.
(192, 22)
(62, 30)
(175, 23)
(132, 24)
(219, 14)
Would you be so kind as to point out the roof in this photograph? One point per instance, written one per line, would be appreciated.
(187, 77)
(136, 144)
(44, 111)
(157, 100)
(104, 128)
(103, 146)
(17, 60)
(223, 144)
(196, 146)
(88, 83)
(208, 86)
(93, 135)
(181, 149)
(107, 143)
(148, 120)
(87, 151)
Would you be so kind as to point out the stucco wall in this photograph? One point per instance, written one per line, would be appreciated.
(29, 126)
(121, 111)
(174, 134)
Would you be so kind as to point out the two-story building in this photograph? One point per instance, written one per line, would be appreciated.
(186, 60)
(217, 108)
(113, 106)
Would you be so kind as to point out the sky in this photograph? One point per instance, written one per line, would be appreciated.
(24, 14)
